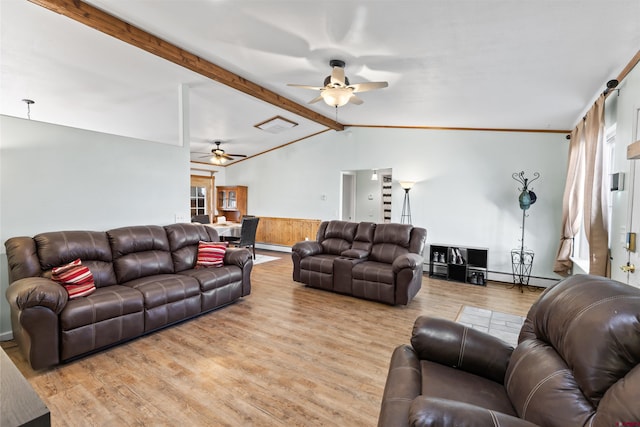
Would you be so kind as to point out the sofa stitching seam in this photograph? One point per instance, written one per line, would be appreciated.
(537, 387)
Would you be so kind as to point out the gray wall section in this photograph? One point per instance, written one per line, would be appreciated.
(60, 178)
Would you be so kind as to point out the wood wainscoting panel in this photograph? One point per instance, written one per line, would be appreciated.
(286, 231)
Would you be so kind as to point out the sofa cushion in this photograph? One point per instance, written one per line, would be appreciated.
(397, 234)
(372, 271)
(213, 278)
(163, 289)
(543, 388)
(338, 237)
(110, 315)
(106, 303)
(444, 382)
(183, 242)
(322, 263)
(344, 230)
(140, 251)
(390, 241)
(92, 247)
(75, 277)
(211, 254)
(335, 246)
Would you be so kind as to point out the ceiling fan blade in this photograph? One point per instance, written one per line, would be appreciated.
(355, 100)
(305, 86)
(337, 76)
(237, 155)
(364, 87)
(226, 156)
(316, 99)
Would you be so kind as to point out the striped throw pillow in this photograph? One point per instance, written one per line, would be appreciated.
(76, 279)
(211, 254)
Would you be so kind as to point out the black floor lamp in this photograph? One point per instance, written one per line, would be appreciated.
(405, 218)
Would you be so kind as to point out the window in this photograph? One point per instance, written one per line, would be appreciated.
(201, 195)
(198, 201)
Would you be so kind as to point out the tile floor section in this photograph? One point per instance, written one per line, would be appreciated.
(502, 325)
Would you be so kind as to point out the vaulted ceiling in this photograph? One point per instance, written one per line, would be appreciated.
(498, 64)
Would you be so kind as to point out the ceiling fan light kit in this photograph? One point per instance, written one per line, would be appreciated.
(336, 97)
(337, 90)
(218, 156)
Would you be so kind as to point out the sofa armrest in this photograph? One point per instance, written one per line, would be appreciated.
(455, 345)
(431, 411)
(237, 256)
(37, 291)
(409, 260)
(404, 383)
(307, 248)
(355, 253)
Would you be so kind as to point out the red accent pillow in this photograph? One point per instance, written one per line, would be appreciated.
(211, 254)
(76, 279)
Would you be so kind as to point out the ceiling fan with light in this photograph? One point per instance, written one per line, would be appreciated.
(219, 156)
(337, 91)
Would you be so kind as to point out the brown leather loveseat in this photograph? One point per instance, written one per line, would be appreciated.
(576, 364)
(380, 262)
(144, 277)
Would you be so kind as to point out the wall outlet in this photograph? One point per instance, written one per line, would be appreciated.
(181, 218)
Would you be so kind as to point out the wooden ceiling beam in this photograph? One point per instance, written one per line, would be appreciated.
(121, 30)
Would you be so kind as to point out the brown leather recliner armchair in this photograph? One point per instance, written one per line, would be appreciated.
(576, 364)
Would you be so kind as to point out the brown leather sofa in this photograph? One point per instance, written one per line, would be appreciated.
(145, 280)
(576, 364)
(379, 262)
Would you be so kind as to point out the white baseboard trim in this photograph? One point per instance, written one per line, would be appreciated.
(497, 276)
(277, 248)
(6, 336)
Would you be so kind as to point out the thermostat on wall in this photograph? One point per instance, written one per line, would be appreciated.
(617, 181)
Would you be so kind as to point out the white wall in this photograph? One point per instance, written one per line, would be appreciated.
(368, 197)
(626, 103)
(464, 193)
(59, 178)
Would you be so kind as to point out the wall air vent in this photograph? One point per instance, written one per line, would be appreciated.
(276, 124)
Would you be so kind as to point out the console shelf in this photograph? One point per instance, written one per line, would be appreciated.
(458, 263)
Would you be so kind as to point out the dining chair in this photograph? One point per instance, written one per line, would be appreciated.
(202, 219)
(247, 234)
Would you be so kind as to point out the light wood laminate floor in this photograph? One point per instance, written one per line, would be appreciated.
(286, 355)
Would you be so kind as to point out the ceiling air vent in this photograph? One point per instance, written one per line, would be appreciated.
(276, 124)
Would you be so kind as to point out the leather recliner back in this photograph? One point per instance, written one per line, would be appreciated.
(57, 248)
(140, 251)
(338, 236)
(578, 355)
(390, 241)
(183, 242)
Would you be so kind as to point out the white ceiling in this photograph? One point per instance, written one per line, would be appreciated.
(527, 64)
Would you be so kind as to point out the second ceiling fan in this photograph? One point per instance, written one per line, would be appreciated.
(219, 156)
(337, 91)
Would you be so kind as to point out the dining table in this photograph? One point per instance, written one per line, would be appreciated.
(231, 229)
